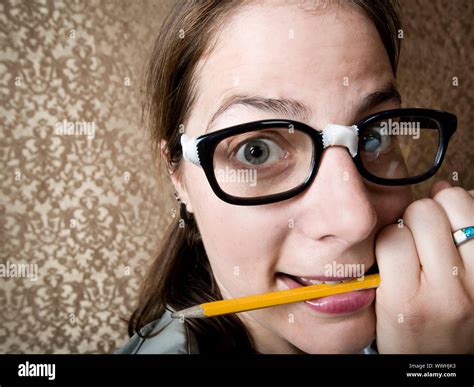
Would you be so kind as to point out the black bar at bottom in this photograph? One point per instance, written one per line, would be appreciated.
(226, 369)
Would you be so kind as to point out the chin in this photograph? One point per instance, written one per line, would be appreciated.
(344, 335)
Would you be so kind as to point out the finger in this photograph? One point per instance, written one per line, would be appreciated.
(397, 259)
(439, 186)
(458, 204)
(433, 239)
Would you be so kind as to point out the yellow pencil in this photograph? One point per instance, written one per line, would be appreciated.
(266, 300)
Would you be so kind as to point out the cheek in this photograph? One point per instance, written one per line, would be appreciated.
(390, 202)
(242, 242)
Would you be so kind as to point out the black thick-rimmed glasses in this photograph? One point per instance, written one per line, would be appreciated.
(267, 161)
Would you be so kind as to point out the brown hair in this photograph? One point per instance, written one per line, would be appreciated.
(180, 275)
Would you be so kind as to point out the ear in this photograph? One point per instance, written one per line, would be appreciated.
(177, 177)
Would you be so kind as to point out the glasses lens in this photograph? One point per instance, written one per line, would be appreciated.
(399, 147)
(263, 162)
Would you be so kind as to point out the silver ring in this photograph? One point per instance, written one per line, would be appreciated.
(463, 235)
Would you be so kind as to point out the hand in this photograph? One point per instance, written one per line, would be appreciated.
(425, 302)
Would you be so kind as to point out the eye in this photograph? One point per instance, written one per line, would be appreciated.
(259, 151)
(375, 140)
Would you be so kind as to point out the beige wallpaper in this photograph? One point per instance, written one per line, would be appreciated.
(80, 209)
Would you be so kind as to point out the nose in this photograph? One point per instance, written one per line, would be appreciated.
(337, 203)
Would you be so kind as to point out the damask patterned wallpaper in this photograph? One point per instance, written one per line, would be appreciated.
(79, 198)
(84, 208)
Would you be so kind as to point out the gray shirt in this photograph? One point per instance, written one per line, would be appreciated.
(174, 337)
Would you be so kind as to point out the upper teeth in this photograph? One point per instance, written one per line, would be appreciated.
(316, 282)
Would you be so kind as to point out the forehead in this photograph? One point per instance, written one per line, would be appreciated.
(285, 51)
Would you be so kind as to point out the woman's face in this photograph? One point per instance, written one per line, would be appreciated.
(329, 60)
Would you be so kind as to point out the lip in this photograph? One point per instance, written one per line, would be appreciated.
(338, 304)
(307, 280)
(372, 270)
(324, 278)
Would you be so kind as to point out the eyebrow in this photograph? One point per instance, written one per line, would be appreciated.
(297, 110)
(284, 106)
(388, 93)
